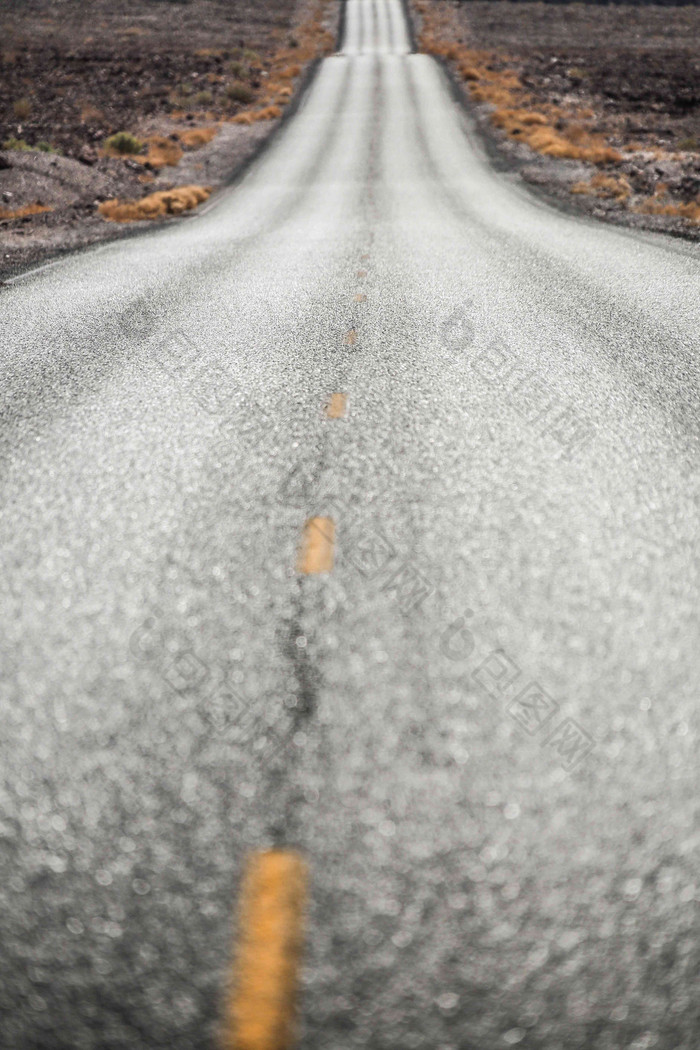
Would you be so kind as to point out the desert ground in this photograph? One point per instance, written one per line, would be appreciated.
(103, 105)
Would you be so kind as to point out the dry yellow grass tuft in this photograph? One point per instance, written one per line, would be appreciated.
(251, 116)
(661, 204)
(162, 152)
(609, 187)
(195, 138)
(268, 113)
(489, 78)
(312, 41)
(155, 206)
(22, 213)
(289, 72)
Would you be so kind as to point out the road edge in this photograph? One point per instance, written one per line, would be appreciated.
(235, 176)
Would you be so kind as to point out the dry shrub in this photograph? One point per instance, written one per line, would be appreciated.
(552, 144)
(162, 152)
(22, 108)
(515, 120)
(271, 112)
(195, 138)
(659, 204)
(267, 113)
(155, 206)
(608, 187)
(22, 213)
(123, 143)
(17, 144)
(238, 91)
(289, 72)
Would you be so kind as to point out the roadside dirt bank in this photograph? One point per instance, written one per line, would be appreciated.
(190, 90)
(595, 105)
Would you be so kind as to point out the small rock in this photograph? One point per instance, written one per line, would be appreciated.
(7, 197)
(689, 186)
(88, 155)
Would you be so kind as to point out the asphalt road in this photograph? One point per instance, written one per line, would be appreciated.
(481, 726)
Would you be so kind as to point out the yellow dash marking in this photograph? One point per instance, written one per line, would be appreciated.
(361, 273)
(317, 546)
(365, 257)
(335, 409)
(360, 298)
(260, 1010)
(350, 337)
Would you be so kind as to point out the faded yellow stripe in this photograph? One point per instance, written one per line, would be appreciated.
(336, 407)
(317, 546)
(360, 297)
(350, 337)
(261, 1009)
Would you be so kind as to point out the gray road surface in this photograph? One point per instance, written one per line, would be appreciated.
(482, 726)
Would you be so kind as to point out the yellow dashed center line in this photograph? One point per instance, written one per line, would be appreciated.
(337, 406)
(350, 337)
(261, 1008)
(360, 297)
(317, 546)
(361, 273)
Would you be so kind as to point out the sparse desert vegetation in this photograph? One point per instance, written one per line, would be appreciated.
(598, 104)
(23, 212)
(155, 205)
(123, 142)
(139, 105)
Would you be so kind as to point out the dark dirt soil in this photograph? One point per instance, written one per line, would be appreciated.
(634, 67)
(74, 72)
